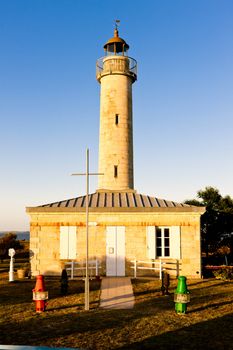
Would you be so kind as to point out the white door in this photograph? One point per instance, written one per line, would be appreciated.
(115, 251)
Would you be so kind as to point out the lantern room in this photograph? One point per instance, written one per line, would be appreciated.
(116, 45)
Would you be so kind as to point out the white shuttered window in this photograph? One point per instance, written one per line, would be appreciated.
(68, 242)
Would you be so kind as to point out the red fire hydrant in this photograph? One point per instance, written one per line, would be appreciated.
(40, 295)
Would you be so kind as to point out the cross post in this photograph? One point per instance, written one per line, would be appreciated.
(87, 174)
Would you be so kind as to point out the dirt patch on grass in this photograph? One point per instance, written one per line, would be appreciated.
(152, 324)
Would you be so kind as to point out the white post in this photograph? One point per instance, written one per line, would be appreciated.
(177, 268)
(135, 268)
(160, 269)
(11, 271)
(96, 268)
(11, 253)
(87, 248)
(72, 270)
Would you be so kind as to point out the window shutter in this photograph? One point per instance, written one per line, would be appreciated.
(151, 247)
(64, 242)
(72, 242)
(68, 242)
(175, 242)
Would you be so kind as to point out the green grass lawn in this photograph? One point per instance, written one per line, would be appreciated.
(152, 324)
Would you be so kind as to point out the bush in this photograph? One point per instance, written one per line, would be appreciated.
(8, 241)
(224, 274)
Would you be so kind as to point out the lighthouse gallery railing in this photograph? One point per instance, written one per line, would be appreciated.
(116, 64)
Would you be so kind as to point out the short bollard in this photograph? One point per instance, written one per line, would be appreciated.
(181, 296)
(64, 282)
(165, 283)
(11, 253)
(40, 295)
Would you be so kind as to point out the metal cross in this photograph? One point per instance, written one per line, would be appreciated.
(87, 174)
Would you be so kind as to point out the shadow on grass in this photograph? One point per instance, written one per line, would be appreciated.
(210, 286)
(77, 305)
(200, 282)
(79, 328)
(149, 291)
(212, 334)
(56, 326)
(17, 292)
(55, 323)
(140, 282)
(20, 291)
(210, 306)
(65, 325)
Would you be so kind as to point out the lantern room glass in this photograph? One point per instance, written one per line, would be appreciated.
(116, 49)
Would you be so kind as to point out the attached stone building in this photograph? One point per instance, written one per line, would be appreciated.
(124, 225)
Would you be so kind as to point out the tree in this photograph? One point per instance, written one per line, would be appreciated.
(217, 221)
(9, 240)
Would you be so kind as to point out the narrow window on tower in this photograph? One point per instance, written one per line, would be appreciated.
(115, 171)
(116, 119)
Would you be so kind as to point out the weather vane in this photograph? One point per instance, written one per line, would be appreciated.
(117, 23)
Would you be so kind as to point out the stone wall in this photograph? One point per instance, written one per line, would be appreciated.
(45, 238)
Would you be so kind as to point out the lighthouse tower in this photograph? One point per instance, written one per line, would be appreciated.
(116, 72)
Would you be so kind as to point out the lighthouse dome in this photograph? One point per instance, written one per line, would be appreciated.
(116, 45)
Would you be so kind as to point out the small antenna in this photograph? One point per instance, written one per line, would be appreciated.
(117, 23)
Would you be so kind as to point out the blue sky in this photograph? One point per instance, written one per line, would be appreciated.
(49, 97)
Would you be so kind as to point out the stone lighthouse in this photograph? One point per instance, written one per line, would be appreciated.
(116, 72)
(131, 233)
